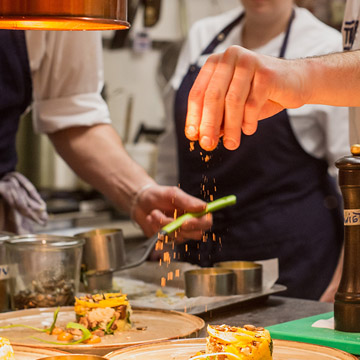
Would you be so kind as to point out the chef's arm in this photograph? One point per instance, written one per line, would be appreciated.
(237, 88)
(329, 293)
(97, 155)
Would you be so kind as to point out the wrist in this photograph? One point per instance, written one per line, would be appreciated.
(136, 198)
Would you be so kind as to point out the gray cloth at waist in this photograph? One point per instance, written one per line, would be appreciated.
(20, 204)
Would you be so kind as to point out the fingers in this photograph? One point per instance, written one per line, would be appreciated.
(185, 202)
(160, 205)
(196, 98)
(217, 100)
(235, 100)
(227, 98)
(191, 229)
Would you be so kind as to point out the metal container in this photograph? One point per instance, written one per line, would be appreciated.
(4, 274)
(209, 282)
(248, 275)
(44, 270)
(104, 253)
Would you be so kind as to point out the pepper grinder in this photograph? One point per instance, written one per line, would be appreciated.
(347, 297)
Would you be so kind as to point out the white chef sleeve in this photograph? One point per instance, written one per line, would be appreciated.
(67, 74)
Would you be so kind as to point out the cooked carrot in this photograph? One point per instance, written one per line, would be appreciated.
(65, 336)
(93, 340)
(57, 331)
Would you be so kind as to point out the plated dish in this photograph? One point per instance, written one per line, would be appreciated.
(148, 326)
(185, 348)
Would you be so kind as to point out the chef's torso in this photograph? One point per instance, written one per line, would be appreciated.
(269, 173)
(15, 93)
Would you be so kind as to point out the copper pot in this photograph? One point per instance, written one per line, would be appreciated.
(63, 14)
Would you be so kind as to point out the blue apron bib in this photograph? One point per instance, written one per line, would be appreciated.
(15, 93)
(287, 205)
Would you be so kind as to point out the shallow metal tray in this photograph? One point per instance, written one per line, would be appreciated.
(143, 287)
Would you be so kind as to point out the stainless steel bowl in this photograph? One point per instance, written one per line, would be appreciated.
(209, 282)
(248, 275)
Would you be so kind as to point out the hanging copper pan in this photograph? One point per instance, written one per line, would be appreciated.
(63, 14)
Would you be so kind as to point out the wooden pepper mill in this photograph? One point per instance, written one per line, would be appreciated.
(347, 298)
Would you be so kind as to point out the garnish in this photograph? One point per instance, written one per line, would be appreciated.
(25, 326)
(109, 325)
(70, 325)
(49, 330)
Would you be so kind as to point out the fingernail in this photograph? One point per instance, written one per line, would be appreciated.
(230, 143)
(206, 143)
(191, 131)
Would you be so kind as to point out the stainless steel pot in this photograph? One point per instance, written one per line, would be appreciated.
(104, 253)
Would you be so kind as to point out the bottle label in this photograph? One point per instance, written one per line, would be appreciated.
(352, 217)
(4, 272)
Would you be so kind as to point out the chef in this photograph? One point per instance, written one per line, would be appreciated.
(60, 74)
(279, 212)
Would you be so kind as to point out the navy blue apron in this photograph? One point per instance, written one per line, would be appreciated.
(15, 93)
(287, 205)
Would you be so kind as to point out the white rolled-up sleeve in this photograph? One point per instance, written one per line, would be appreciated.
(67, 76)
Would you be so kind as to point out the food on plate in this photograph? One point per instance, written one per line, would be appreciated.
(103, 313)
(6, 350)
(96, 315)
(243, 343)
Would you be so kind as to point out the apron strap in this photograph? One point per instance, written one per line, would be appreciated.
(222, 35)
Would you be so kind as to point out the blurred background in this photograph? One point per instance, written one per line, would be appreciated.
(137, 64)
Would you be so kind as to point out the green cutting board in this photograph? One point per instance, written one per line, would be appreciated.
(301, 330)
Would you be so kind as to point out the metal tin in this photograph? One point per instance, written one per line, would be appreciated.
(209, 282)
(248, 275)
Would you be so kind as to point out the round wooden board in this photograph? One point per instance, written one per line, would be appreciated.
(183, 349)
(148, 326)
(25, 353)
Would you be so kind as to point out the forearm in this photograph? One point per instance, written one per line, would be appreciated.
(97, 155)
(334, 79)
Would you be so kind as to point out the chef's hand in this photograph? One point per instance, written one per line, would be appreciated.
(156, 206)
(237, 88)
